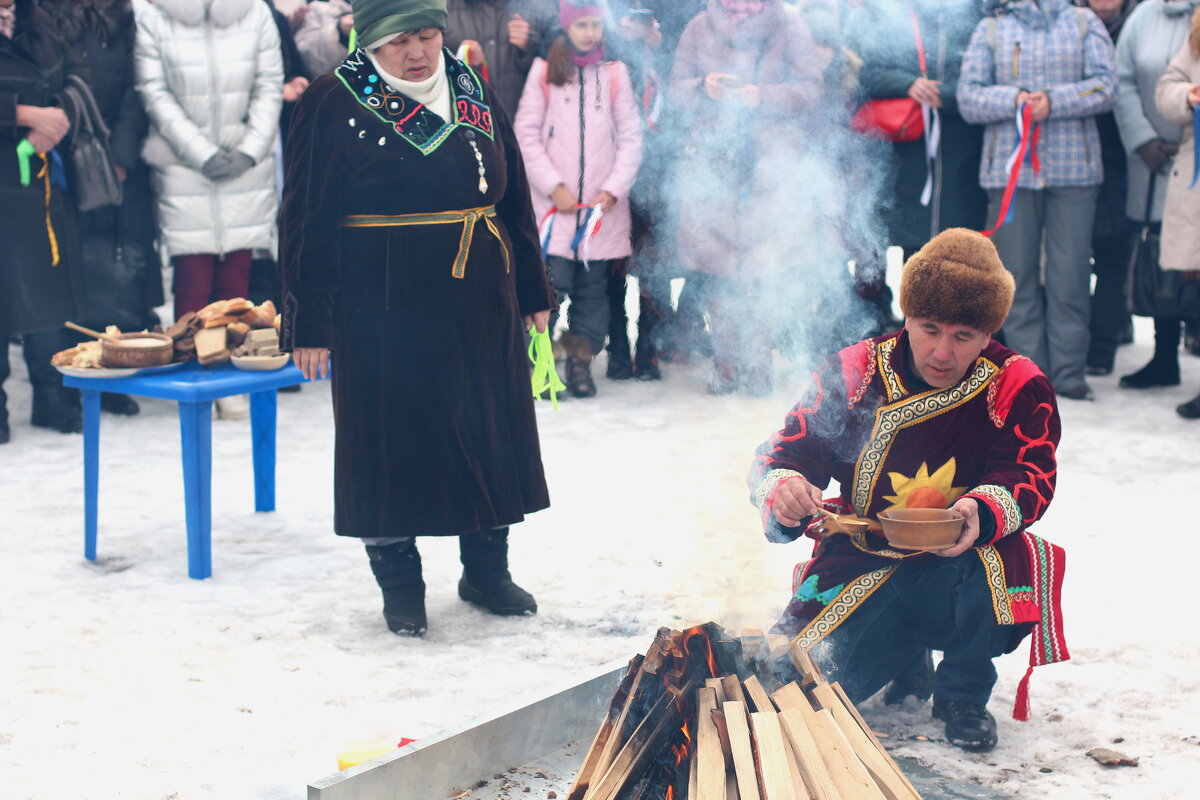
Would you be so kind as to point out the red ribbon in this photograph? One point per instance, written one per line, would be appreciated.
(1028, 144)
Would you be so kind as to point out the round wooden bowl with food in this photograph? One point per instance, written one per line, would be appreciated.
(921, 528)
(137, 350)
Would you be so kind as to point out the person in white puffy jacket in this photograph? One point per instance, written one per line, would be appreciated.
(210, 75)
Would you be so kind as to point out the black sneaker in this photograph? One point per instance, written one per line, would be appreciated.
(968, 725)
(916, 682)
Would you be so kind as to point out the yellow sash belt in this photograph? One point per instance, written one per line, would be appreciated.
(468, 219)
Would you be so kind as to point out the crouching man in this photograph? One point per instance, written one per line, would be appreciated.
(936, 415)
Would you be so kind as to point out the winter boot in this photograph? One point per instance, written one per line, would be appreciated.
(968, 725)
(916, 681)
(397, 569)
(620, 364)
(53, 409)
(579, 365)
(120, 404)
(486, 581)
(645, 358)
(1161, 371)
(1188, 410)
(724, 377)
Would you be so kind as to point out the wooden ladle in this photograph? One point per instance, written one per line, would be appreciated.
(847, 523)
(105, 336)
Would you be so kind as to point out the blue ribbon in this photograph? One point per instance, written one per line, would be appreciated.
(581, 230)
(1195, 146)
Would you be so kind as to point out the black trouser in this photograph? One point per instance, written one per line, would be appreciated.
(1110, 304)
(941, 604)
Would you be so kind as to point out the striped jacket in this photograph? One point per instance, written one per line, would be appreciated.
(1034, 47)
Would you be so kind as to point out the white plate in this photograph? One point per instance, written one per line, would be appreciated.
(261, 363)
(116, 372)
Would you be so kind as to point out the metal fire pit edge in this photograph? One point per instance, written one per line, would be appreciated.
(444, 764)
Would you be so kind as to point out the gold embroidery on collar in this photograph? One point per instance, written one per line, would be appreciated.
(893, 417)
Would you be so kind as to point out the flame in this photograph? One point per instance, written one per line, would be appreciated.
(698, 632)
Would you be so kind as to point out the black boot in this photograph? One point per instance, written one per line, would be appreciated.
(1190, 409)
(916, 681)
(120, 404)
(620, 364)
(486, 581)
(53, 409)
(579, 365)
(397, 569)
(1163, 369)
(645, 357)
(969, 726)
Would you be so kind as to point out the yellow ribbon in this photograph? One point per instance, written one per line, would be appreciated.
(467, 218)
(45, 175)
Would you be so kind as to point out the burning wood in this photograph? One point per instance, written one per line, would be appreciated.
(703, 716)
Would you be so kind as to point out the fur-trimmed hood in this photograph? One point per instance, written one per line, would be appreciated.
(76, 16)
(222, 13)
(1194, 36)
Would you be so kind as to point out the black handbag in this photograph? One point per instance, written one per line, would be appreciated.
(95, 180)
(1154, 291)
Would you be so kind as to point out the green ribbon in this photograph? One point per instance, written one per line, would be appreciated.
(545, 376)
(25, 151)
(353, 41)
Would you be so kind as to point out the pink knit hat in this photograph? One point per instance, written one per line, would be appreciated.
(571, 10)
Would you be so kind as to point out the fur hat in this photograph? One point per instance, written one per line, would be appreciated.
(957, 278)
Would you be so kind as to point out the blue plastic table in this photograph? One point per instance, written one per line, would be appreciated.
(194, 388)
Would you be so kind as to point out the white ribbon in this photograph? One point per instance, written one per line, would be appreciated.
(593, 225)
(1012, 159)
(933, 139)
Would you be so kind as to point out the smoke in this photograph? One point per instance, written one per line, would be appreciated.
(782, 204)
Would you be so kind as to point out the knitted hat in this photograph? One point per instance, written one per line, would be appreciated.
(378, 19)
(957, 278)
(571, 10)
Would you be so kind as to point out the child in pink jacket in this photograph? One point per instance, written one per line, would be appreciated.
(581, 138)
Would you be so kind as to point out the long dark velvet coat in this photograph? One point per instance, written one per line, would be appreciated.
(435, 424)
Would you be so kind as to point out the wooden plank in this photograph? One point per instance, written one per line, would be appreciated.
(739, 745)
(804, 663)
(813, 769)
(770, 757)
(758, 695)
(794, 768)
(732, 686)
(718, 686)
(791, 696)
(848, 773)
(731, 787)
(710, 761)
(618, 703)
(896, 784)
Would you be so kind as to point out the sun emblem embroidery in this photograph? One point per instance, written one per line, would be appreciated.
(924, 490)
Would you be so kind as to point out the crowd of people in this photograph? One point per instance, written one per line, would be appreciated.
(711, 140)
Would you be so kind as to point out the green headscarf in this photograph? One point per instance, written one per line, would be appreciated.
(377, 19)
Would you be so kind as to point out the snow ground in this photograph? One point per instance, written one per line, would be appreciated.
(125, 679)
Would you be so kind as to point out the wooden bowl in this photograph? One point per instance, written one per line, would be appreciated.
(921, 528)
(137, 350)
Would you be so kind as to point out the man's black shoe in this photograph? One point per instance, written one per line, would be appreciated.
(916, 682)
(968, 725)
(116, 403)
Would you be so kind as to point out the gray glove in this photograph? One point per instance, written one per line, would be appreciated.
(226, 165)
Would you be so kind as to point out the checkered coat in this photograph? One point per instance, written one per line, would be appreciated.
(1039, 47)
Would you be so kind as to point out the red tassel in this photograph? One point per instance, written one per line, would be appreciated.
(1021, 704)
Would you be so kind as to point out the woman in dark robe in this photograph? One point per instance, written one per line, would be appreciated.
(409, 252)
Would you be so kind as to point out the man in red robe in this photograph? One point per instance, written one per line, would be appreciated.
(936, 415)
